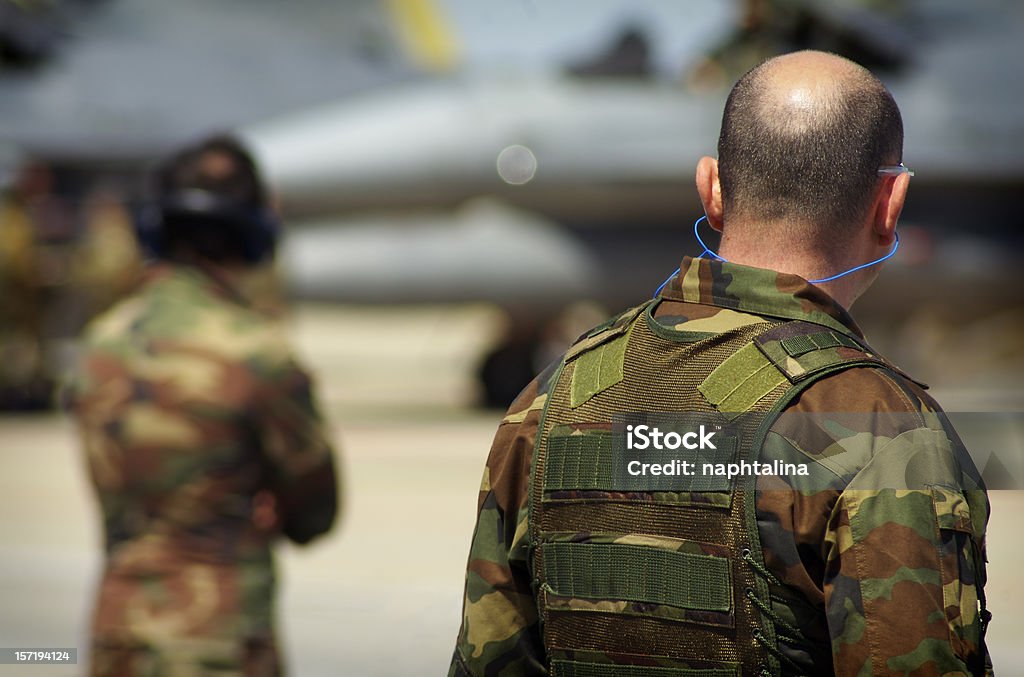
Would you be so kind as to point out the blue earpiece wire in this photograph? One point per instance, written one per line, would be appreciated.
(667, 279)
(892, 252)
(708, 250)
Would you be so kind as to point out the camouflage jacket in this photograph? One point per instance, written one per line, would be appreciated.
(203, 443)
(876, 570)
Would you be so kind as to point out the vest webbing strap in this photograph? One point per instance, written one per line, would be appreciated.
(741, 381)
(563, 668)
(795, 346)
(585, 603)
(587, 461)
(597, 370)
(580, 462)
(802, 352)
(638, 574)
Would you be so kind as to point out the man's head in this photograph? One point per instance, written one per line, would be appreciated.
(213, 205)
(803, 136)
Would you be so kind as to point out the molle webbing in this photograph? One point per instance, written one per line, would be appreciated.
(682, 611)
(638, 574)
(795, 346)
(581, 462)
(803, 351)
(584, 461)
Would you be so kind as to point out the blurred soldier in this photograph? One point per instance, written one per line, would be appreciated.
(20, 295)
(871, 565)
(202, 436)
(34, 228)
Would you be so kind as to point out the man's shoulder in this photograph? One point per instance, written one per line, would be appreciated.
(614, 327)
(162, 317)
(853, 412)
(873, 429)
(807, 352)
(868, 387)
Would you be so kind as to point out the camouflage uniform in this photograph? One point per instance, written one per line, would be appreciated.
(878, 569)
(204, 443)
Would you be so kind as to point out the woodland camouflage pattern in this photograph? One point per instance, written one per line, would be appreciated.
(876, 576)
(203, 443)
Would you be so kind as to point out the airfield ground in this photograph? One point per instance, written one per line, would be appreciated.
(381, 595)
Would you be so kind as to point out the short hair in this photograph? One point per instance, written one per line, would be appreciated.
(817, 169)
(222, 170)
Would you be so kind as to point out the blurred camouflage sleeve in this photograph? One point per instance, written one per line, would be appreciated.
(297, 452)
(500, 633)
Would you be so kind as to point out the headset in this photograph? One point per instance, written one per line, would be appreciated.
(255, 229)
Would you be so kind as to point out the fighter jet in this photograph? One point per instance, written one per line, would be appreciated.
(605, 146)
(379, 118)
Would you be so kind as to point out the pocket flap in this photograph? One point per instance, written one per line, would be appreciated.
(951, 509)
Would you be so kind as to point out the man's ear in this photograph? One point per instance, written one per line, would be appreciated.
(888, 207)
(710, 190)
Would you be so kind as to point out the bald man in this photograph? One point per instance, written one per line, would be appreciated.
(728, 479)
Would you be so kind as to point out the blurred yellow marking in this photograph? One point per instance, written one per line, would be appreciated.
(425, 33)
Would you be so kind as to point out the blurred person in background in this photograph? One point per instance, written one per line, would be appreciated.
(35, 227)
(107, 259)
(874, 565)
(203, 440)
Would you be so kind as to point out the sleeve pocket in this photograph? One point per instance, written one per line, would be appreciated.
(958, 555)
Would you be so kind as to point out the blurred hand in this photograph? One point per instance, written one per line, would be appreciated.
(265, 514)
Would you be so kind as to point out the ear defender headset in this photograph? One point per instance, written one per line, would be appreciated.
(255, 229)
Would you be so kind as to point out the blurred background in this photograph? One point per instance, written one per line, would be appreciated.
(467, 185)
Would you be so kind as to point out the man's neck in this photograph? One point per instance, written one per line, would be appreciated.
(792, 258)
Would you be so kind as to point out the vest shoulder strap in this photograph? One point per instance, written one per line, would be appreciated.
(797, 352)
(599, 356)
(742, 380)
(805, 351)
(606, 331)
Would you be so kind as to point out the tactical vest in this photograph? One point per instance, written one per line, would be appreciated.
(663, 582)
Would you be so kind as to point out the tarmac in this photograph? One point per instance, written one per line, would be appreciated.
(380, 595)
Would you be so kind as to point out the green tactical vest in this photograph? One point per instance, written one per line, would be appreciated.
(663, 582)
